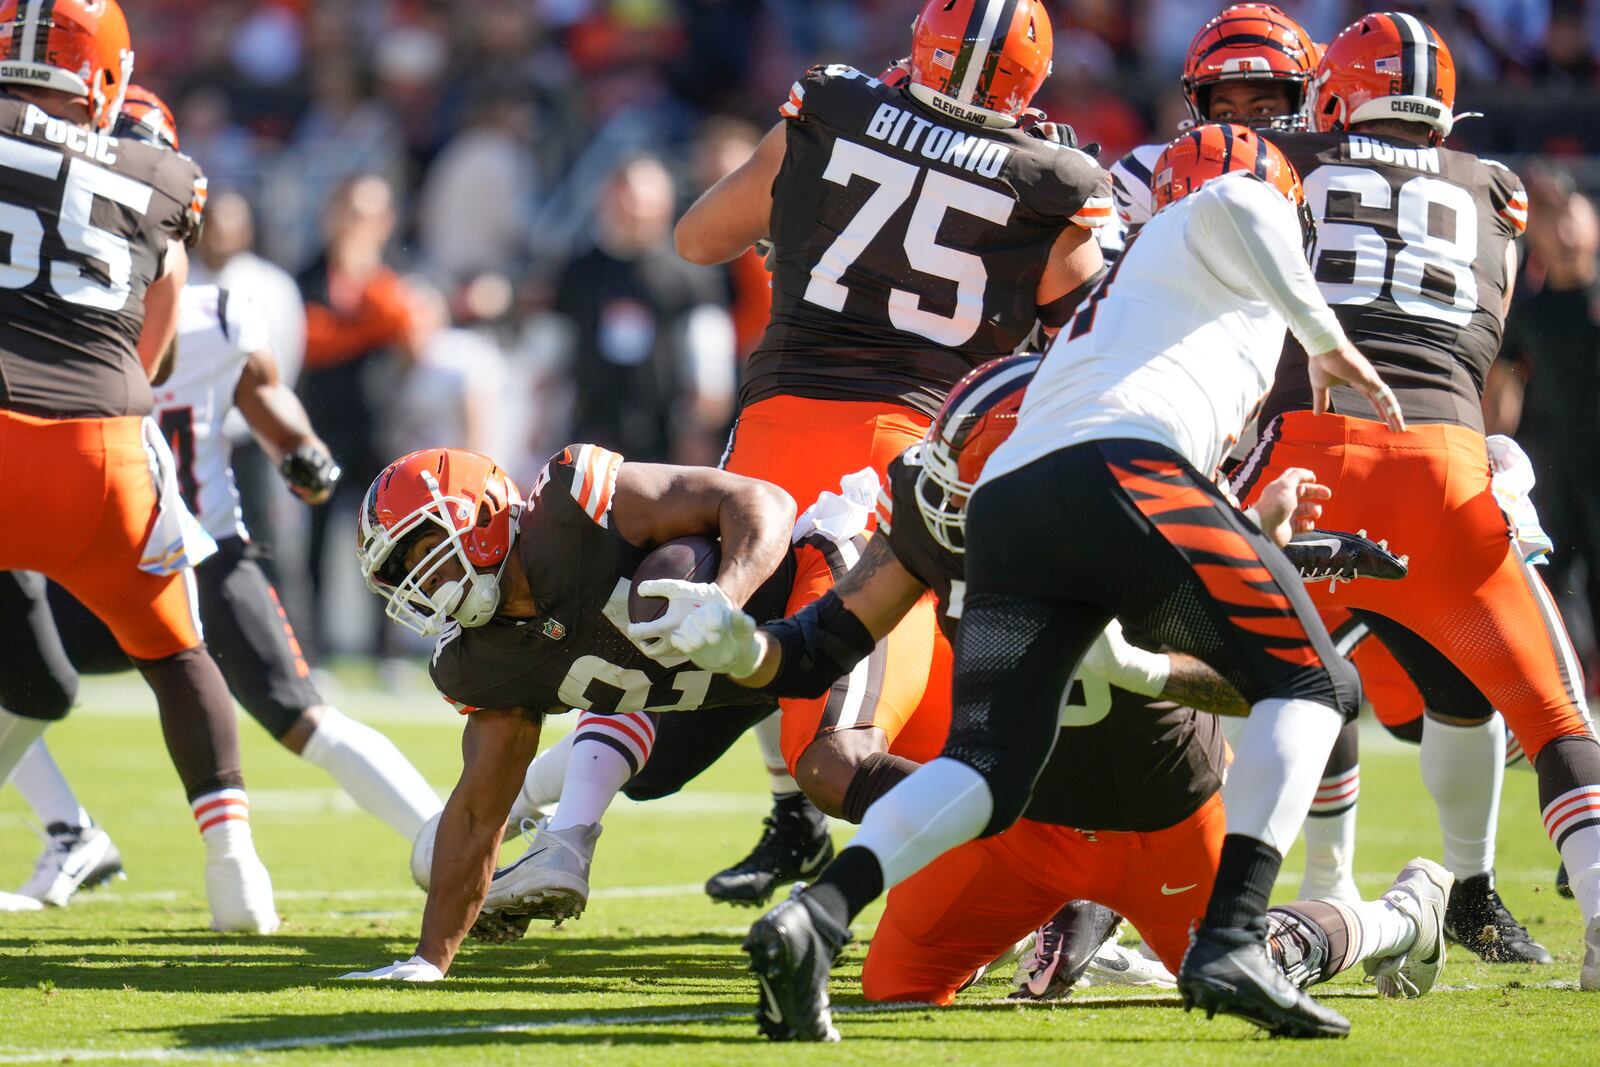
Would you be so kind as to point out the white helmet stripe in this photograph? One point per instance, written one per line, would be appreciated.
(30, 31)
(1417, 40)
(980, 49)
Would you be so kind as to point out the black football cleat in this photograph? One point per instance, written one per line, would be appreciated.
(1063, 950)
(1334, 557)
(1479, 921)
(1563, 882)
(796, 844)
(1229, 971)
(791, 949)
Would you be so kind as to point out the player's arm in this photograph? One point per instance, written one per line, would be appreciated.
(161, 308)
(1074, 268)
(654, 503)
(279, 421)
(1248, 236)
(496, 748)
(802, 655)
(1171, 676)
(736, 212)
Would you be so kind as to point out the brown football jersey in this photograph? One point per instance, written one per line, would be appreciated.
(1410, 252)
(86, 218)
(908, 245)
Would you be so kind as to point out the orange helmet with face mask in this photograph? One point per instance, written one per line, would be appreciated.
(980, 61)
(1254, 42)
(79, 47)
(1386, 66)
(467, 497)
(146, 117)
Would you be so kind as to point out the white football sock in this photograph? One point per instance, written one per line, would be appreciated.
(1385, 930)
(1462, 767)
(541, 786)
(942, 804)
(1277, 766)
(1564, 820)
(46, 790)
(1330, 855)
(769, 738)
(607, 750)
(17, 735)
(224, 820)
(369, 767)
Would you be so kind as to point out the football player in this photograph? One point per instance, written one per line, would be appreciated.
(1415, 251)
(1098, 496)
(1143, 837)
(225, 364)
(530, 603)
(95, 262)
(918, 229)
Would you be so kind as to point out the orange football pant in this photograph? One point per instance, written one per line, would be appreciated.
(974, 902)
(81, 501)
(1467, 593)
(805, 446)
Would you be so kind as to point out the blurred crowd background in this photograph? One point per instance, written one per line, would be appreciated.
(458, 214)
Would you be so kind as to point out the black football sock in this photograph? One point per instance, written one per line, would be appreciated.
(878, 773)
(847, 885)
(1245, 875)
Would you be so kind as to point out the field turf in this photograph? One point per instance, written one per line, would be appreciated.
(652, 973)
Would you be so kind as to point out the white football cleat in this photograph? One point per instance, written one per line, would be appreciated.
(1420, 892)
(240, 891)
(1115, 965)
(18, 902)
(549, 881)
(74, 858)
(1589, 977)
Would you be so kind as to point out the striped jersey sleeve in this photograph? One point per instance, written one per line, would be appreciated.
(588, 473)
(885, 510)
(1508, 197)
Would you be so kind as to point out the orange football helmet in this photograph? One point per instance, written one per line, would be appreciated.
(1208, 152)
(965, 63)
(1386, 66)
(977, 416)
(473, 502)
(1250, 41)
(146, 117)
(80, 47)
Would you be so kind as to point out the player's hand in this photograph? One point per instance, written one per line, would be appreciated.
(1289, 504)
(683, 599)
(1112, 658)
(721, 639)
(416, 969)
(1346, 366)
(310, 473)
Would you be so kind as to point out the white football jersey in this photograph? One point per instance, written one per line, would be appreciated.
(217, 330)
(1179, 343)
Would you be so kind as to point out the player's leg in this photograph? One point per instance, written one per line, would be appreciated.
(249, 636)
(1223, 592)
(154, 618)
(1399, 937)
(945, 924)
(1330, 830)
(1463, 762)
(37, 682)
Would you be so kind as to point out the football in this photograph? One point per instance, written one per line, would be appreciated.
(689, 559)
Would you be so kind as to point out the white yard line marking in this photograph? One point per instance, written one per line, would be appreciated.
(166, 896)
(596, 1021)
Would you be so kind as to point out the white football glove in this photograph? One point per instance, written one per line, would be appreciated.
(1125, 666)
(719, 638)
(416, 969)
(683, 599)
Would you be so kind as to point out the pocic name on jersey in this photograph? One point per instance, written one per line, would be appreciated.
(903, 129)
(98, 146)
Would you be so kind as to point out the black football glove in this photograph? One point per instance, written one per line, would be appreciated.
(311, 473)
(1334, 557)
(1036, 123)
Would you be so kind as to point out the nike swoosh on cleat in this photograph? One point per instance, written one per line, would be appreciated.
(1328, 543)
(811, 864)
(769, 1002)
(503, 871)
(1166, 891)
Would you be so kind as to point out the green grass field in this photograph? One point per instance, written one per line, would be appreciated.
(652, 972)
